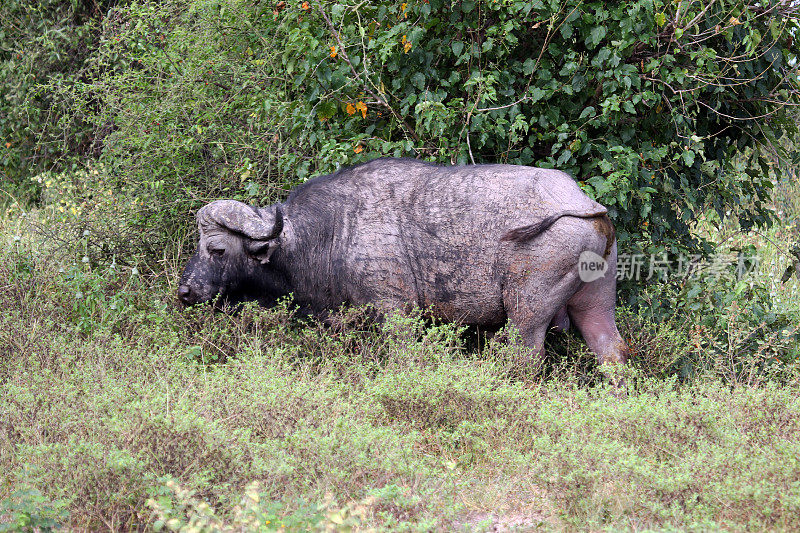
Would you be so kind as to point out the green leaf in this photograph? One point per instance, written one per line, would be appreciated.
(528, 66)
(600, 185)
(457, 47)
(326, 109)
(595, 36)
(418, 80)
(661, 19)
(537, 94)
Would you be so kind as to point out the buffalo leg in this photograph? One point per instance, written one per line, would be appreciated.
(592, 311)
(533, 305)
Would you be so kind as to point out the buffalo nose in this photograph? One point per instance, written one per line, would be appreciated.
(185, 294)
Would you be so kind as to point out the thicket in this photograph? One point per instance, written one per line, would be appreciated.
(43, 43)
(677, 116)
(663, 111)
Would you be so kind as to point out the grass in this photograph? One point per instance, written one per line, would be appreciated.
(121, 412)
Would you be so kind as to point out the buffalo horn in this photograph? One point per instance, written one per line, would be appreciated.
(260, 224)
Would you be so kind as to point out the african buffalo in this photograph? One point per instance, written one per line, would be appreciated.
(475, 244)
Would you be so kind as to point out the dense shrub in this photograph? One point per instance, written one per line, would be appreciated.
(43, 43)
(647, 103)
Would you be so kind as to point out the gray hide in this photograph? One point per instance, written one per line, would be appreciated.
(475, 244)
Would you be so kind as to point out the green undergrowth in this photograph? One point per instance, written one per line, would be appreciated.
(121, 411)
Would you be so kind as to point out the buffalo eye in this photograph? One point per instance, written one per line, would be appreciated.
(216, 252)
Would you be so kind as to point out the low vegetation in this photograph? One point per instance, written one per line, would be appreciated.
(121, 411)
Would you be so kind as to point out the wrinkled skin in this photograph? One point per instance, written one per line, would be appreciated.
(475, 244)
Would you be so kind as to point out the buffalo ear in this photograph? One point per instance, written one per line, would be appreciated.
(261, 250)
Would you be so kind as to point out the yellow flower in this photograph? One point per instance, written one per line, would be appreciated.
(333, 51)
(350, 109)
(358, 149)
(406, 43)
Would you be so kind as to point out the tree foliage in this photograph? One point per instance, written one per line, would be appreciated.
(647, 103)
(42, 43)
(662, 110)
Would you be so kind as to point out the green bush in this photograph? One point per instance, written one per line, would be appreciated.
(44, 43)
(179, 510)
(713, 323)
(646, 103)
(28, 510)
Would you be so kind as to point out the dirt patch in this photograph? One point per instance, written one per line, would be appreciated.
(506, 522)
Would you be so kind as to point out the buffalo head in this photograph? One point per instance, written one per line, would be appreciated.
(232, 257)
